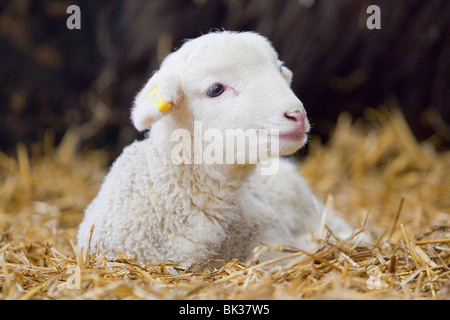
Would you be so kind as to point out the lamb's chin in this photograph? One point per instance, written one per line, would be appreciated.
(290, 144)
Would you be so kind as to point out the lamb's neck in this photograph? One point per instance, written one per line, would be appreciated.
(214, 182)
(224, 180)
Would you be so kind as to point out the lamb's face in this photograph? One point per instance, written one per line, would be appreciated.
(235, 81)
(226, 81)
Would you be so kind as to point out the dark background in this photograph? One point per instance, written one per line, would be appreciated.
(53, 78)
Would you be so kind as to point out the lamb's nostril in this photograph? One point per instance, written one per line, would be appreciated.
(296, 116)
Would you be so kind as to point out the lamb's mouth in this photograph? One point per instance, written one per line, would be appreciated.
(293, 135)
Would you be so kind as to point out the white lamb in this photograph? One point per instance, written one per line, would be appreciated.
(159, 208)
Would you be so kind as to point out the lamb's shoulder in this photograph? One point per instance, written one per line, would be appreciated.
(123, 206)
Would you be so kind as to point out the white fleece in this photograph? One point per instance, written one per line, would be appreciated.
(155, 209)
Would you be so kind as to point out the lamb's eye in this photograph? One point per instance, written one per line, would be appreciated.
(215, 90)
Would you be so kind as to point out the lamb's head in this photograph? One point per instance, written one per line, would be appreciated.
(226, 80)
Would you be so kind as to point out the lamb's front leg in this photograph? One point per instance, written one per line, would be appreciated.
(197, 238)
(298, 208)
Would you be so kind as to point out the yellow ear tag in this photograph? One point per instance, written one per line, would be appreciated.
(158, 101)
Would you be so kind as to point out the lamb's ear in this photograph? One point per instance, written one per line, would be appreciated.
(287, 75)
(159, 95)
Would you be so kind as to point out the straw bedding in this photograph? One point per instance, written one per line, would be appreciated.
(377, 176)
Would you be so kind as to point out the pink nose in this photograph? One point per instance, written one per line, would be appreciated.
(298, 117)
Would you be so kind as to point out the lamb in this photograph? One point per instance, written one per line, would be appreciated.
(156, 209)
